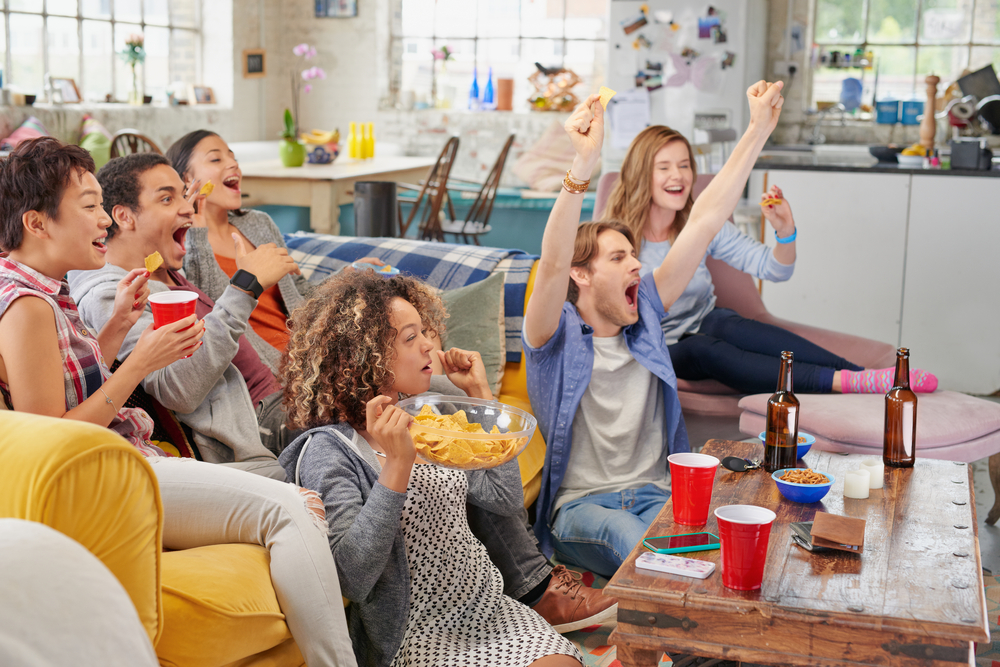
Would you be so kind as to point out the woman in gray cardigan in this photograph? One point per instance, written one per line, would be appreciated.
(422, 589)
(202, 156)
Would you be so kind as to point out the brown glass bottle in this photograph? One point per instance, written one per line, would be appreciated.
(900, 438)
(781, 439)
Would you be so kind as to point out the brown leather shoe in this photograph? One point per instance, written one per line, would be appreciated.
(569, 605)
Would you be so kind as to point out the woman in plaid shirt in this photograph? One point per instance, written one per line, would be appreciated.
(51, 222)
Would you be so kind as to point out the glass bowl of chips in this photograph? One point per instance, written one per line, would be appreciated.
(467, 433)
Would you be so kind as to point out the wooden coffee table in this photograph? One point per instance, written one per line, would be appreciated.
(914, 597)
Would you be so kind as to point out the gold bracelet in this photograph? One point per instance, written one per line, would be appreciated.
(573, 187)
(107, 399)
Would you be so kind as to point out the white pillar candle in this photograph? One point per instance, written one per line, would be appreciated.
(856, 484)
(876, 472)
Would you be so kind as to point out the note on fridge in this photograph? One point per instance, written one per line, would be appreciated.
(629, 115)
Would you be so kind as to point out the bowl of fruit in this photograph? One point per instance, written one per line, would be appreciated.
(322, 147)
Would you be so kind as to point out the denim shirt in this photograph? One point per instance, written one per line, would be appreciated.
(558, 375)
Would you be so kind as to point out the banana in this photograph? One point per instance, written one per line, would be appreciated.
(321, 137)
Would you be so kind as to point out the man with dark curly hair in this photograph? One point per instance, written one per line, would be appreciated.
(213, 393)
(216, 395)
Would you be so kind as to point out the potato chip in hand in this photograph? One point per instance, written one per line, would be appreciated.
(207, 188)
(154, 261)
(606, 95)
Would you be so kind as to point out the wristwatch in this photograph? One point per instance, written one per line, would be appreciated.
(247, 282)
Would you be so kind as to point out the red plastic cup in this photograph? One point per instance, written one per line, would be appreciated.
(171, 306)
(744, 531)
(692, 477)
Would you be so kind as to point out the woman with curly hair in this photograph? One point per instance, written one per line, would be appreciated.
(653, 198)
(422, 588)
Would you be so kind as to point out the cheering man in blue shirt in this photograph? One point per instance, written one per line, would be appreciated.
(599, 374)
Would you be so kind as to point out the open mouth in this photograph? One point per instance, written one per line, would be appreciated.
(232, 182)
(674, 190)
(99, 244)
(632, 294)
(179, 235)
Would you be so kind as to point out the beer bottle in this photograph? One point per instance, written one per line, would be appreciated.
(899, 439)
(782, 431)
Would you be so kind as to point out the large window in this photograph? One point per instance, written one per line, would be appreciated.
(909, 39)
(80, 39)
(508, 35)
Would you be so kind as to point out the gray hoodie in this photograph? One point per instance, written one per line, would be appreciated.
(206, 391)
(366, 533)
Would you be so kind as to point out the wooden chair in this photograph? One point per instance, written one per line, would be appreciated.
(127, 142)
(477, 219)
(435, 189)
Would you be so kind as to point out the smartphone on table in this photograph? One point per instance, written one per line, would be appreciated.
(677, 544)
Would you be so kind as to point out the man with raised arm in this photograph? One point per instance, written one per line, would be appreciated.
(599, 373)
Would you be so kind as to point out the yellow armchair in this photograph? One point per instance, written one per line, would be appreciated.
(206, 607)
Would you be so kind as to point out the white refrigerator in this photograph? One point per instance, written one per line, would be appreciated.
(682, 63)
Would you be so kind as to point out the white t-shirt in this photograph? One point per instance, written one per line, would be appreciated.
(618, 440)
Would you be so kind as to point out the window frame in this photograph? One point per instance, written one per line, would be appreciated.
(968, 44)
(116, 60)
(398, 37)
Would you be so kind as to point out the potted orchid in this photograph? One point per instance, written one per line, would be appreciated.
(134, 54)
(293, 152)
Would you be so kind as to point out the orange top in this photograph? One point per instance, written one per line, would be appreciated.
(268, 318)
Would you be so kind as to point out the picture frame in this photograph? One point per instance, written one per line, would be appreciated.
(254, 63)
(336, 9)
(67, 89)
(201, 95)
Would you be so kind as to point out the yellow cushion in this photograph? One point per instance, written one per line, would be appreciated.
(219, 607)
(514, 391)
(94, 487)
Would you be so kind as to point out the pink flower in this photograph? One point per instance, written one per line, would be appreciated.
(313, 73)
(301, 49)
(307, 88)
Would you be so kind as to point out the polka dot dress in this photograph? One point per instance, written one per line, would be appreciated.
(458, 612)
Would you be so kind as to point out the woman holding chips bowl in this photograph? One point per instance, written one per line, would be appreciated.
(421, 586)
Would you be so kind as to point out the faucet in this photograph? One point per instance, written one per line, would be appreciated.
(818, 137)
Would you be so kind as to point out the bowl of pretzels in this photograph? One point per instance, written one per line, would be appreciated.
(803, 485)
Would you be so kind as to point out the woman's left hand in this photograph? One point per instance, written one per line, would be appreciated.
(779, 215)
(466, 370)
(131, 295)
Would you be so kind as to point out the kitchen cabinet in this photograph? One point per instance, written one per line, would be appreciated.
(909, 258)
(951, 294)
(850, 250)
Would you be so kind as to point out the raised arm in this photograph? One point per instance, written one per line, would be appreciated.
(714, 206)
(541, 318)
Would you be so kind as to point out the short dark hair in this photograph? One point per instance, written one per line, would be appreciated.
(585, 248)
(119, 179)
(34, 177)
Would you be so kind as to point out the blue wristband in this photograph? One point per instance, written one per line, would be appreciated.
(787, 239)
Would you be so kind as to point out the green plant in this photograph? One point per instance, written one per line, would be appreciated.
(289, 132)
(134, 54)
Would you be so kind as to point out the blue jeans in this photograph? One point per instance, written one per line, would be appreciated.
(512, 548)
(598, 532)
(746, 355)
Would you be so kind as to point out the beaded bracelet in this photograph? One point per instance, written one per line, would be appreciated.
(574, 186)
(107, 399)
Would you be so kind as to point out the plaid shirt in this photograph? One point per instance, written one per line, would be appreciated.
(84, 370)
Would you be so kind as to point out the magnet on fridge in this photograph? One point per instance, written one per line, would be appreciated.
(633, 23)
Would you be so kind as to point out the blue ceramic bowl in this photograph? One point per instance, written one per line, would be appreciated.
(803, 493)
(804, 445)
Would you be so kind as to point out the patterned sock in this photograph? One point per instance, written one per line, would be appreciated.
(880, 381)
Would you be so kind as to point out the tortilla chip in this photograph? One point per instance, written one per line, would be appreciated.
(154, 261)
(771, 201)
(459, 452)
(207, 188)
(606, 95)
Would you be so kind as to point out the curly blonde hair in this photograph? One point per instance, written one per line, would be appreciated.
(341, 352)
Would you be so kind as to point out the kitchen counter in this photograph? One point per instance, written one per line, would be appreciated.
(849, 159)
